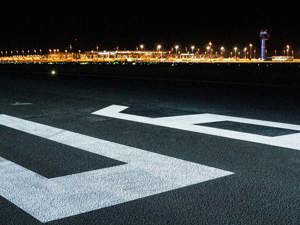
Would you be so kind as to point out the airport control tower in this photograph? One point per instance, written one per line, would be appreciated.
(264, 36)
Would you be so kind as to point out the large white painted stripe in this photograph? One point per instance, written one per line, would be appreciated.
(191, 123)
(145, 174)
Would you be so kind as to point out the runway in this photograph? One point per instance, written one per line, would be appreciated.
(103, 151)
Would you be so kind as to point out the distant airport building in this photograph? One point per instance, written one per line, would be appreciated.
(282, 58)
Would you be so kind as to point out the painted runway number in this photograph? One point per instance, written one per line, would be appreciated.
(144, 174)
(194, 123)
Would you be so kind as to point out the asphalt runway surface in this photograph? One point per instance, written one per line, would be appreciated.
(204, 176)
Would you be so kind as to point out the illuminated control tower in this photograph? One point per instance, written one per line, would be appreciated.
(264, 36)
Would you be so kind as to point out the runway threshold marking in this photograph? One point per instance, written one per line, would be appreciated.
(144, 174)
(193, 123)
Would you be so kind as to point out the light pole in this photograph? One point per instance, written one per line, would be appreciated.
(176, 49)
(287, 50)
(207, 49)
(193, 48)
(235, 51)
(250, 46)
(245, 52)
(158, 48)
(211, 49)
(222, 50)
(142, 47)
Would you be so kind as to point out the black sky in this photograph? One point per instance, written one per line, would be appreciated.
(125, 25)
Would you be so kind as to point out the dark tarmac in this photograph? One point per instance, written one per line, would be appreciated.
(264, 188)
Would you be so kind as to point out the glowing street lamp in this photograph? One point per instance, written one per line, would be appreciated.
(287, 50)
(235, 51)
(208, 49)
(245, 52)
(158, 47)
(142, 47)
(193, 48)
(250, 46)
(222, 49)
(176, 48)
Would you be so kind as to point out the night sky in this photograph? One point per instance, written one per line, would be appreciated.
(126, 25)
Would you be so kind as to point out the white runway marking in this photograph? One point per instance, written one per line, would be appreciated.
(191, 123)
(21, 104)
(145, 174)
